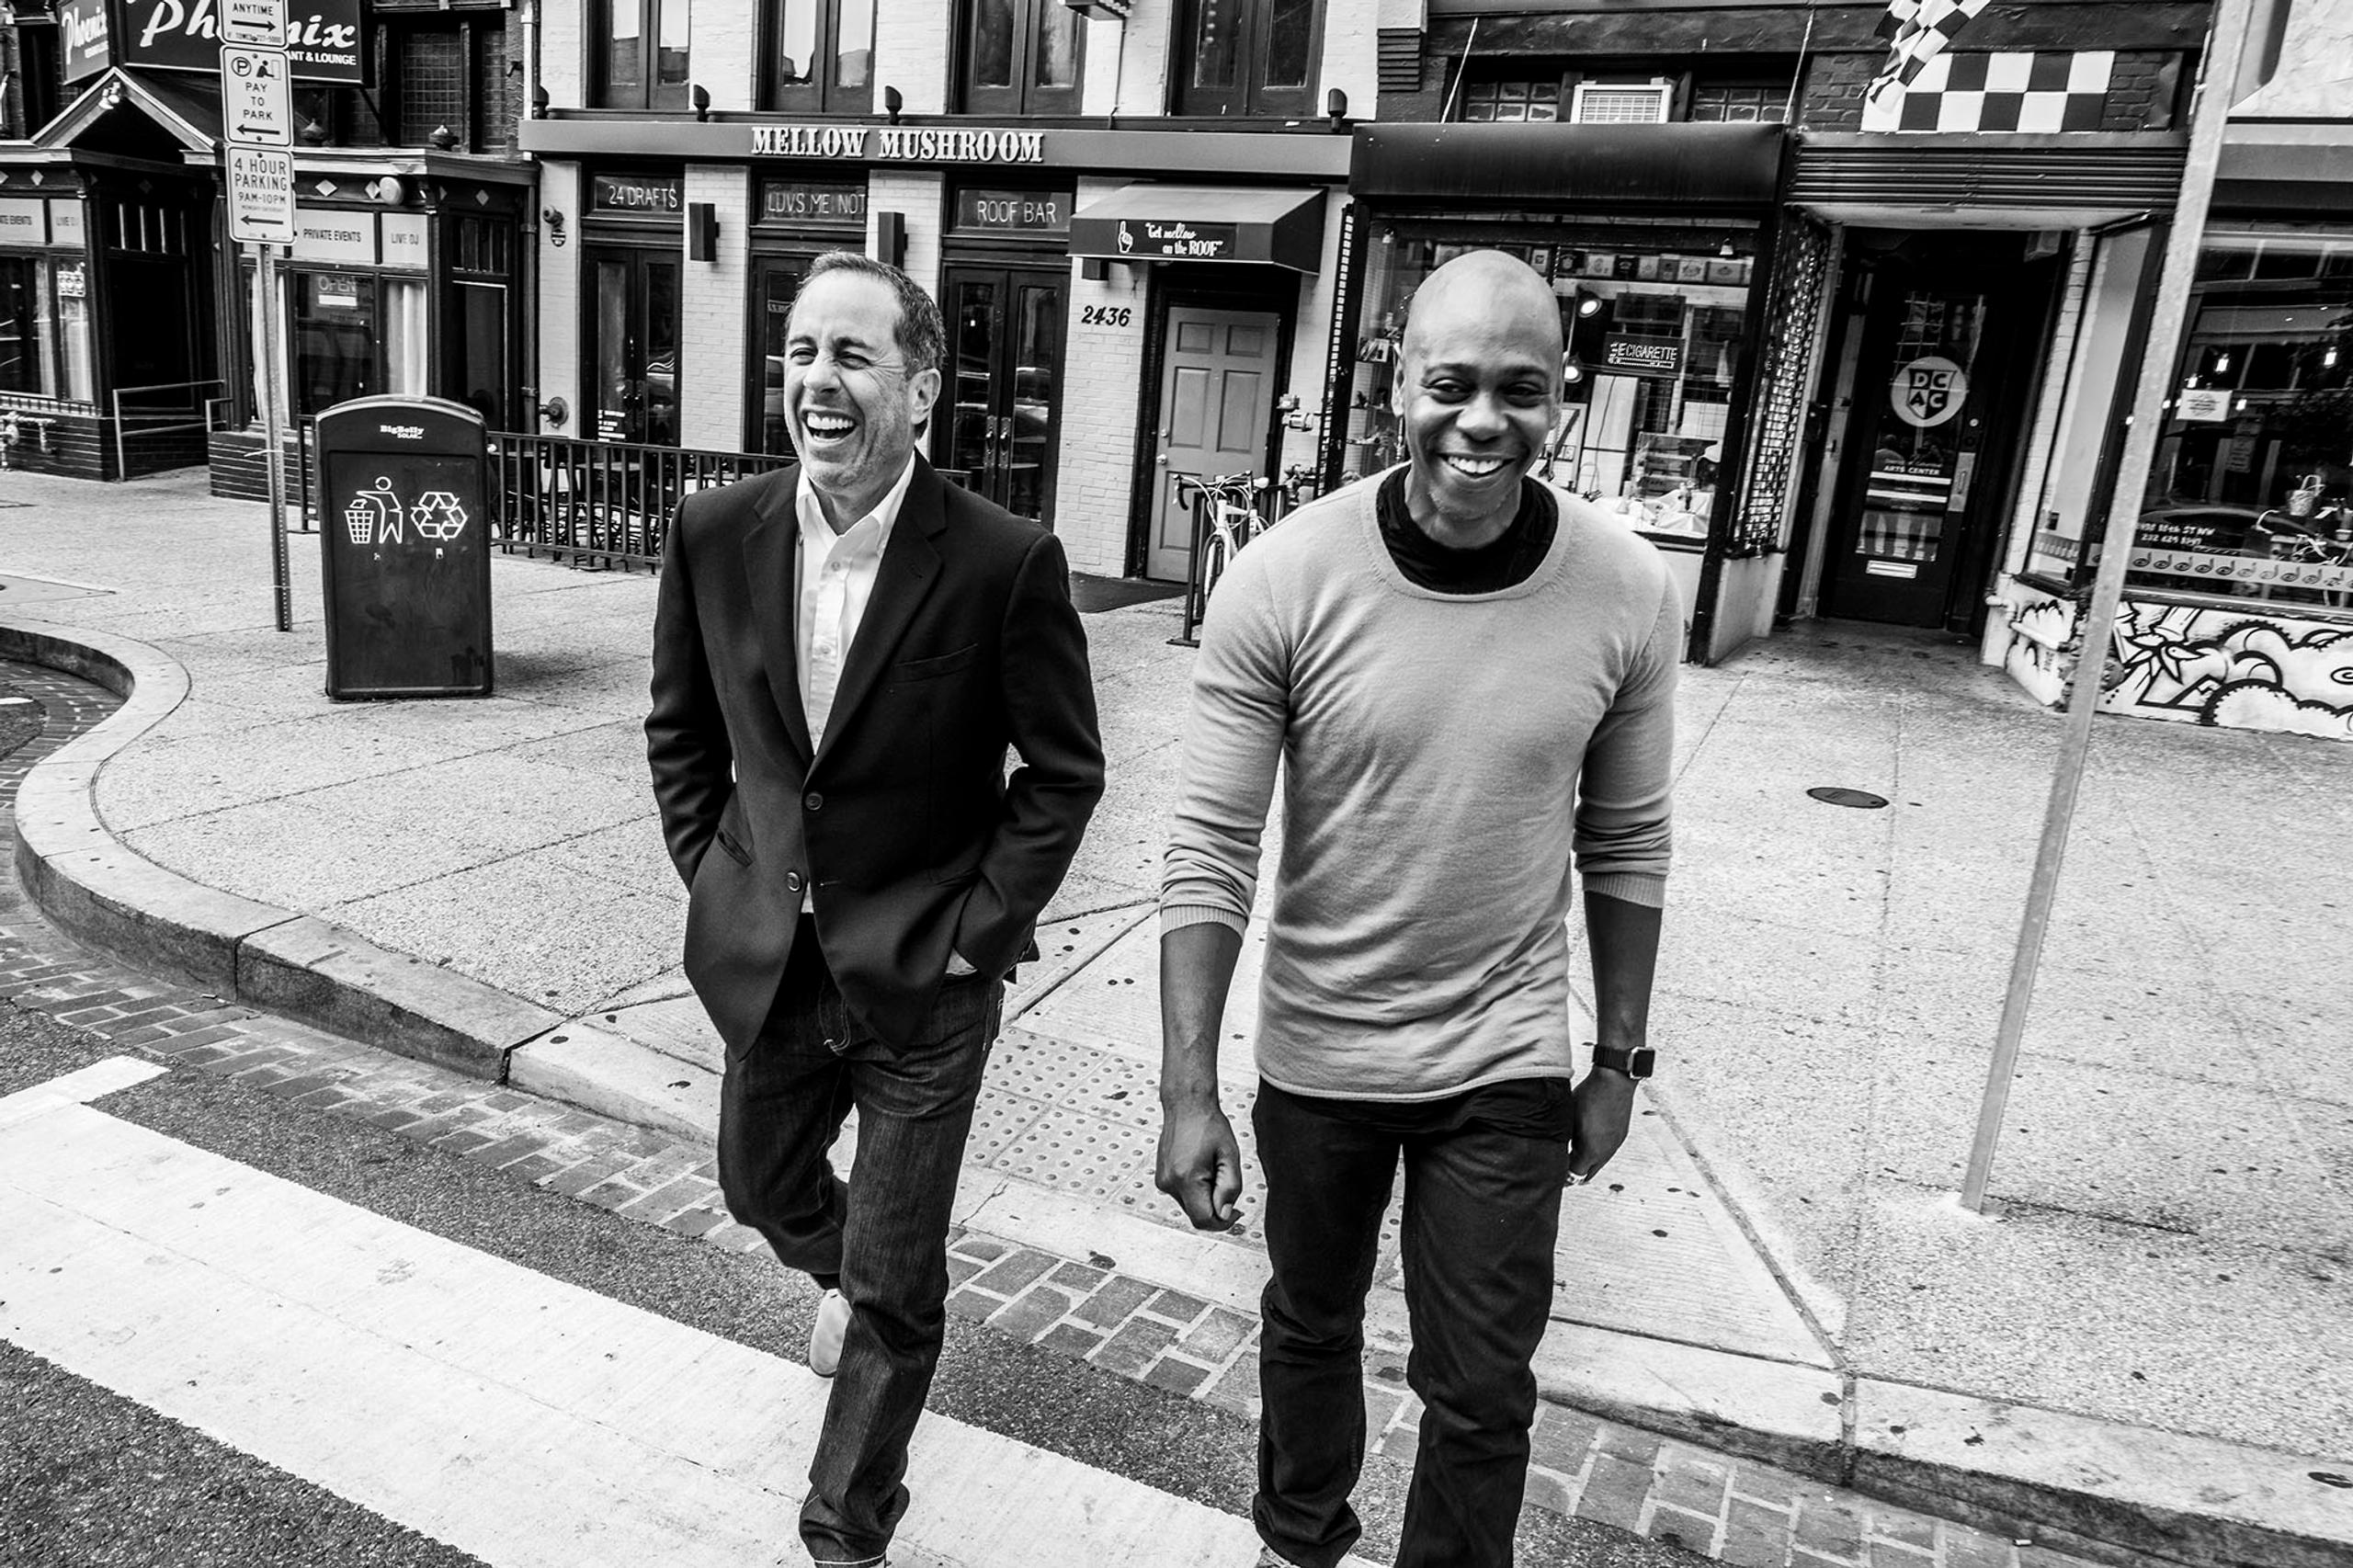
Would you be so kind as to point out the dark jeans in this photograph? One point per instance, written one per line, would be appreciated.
(884, 1232)
(1484, 1171)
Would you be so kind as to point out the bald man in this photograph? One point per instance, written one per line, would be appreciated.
(1468, 677)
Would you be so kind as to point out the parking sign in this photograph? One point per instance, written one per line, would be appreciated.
(259, 22)
(261, 196)
(257, 107)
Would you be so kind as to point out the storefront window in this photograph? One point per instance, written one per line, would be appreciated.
(27, 362)
(334, 339)
(2251, 492)
(80, 378)
(1655, 319)
(405, 354)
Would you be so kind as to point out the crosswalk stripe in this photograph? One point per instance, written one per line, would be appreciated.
(516, 1417)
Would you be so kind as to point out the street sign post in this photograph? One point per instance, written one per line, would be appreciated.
(258, 126)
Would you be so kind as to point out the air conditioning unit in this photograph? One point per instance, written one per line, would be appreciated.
(1622, 103)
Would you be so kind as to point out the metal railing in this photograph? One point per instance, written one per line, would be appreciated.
(159, 421)
(599, 502)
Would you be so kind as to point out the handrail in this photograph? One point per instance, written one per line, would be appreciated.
(203, 422)
(606, 503)
(41, 402)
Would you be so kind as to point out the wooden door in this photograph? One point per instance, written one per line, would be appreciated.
(1216, 399)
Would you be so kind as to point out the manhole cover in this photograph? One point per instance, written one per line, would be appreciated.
(1831, 794)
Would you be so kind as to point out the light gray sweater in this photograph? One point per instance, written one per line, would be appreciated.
(1445, 758)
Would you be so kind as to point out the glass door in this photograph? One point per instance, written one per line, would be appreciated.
(633, 345)
(1916, 438)
(775, 283)
(999, 404)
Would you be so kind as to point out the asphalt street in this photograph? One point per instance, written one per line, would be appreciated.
(95, 1478)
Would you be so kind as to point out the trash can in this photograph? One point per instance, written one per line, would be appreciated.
(404, 506)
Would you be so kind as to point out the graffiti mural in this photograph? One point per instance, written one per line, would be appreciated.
(2226, 668)
(2038, 649)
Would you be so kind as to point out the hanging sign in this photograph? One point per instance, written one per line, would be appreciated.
(2204, 405)
(1928, 391)
(83, 39)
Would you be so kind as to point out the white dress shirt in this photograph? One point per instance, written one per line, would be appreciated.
(837, 572)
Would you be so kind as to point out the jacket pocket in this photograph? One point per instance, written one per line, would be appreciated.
(733, 835)
(938, 665)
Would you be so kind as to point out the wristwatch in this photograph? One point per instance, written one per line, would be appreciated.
(1635, 1064)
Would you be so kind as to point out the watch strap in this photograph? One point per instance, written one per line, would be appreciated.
(1636, 1065)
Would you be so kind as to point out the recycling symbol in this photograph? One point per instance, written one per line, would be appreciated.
(438, 515)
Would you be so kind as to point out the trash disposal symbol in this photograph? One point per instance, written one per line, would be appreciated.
(373, 514)
(438, 515)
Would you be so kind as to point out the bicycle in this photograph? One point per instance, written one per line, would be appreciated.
(1226, 516)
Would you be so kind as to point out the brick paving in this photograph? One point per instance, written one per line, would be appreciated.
(1735, 1510)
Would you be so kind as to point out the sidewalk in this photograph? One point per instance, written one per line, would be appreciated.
(2150, 1350)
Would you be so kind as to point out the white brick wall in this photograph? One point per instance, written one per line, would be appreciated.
(1130, 62)
(1102, 399)
(917, 195)
(720, 49)
(715, 325)
(559, 297)
(1351, 56)
(563, 58)
(911, 53)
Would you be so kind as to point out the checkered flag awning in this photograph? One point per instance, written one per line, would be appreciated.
(1917, 31)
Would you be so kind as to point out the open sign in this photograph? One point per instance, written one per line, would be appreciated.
(1928, 391)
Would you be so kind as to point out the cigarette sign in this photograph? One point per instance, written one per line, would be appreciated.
(261, 196)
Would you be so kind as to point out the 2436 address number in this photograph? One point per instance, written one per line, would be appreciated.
(1106, 316)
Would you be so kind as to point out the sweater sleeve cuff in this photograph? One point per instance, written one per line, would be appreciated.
(1176, 916)
(1634, 887)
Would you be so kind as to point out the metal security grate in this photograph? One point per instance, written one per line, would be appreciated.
(1643, 105)
(1777, 429)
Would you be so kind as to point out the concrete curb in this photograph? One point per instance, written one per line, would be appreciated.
(107, 895)
(2100, 1489)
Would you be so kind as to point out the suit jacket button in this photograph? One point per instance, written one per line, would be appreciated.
(813, 800)
(793, 881)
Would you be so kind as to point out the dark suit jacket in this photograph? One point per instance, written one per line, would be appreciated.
(906, 821)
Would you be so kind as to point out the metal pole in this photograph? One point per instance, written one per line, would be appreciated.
(2209, 113)
(273, 429)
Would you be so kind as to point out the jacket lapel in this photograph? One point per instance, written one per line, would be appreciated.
(909, 567)
(771, 553)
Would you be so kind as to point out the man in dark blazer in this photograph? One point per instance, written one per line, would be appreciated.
(842, 653)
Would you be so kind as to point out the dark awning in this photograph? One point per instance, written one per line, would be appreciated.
(1198, 222)
(1679, 166)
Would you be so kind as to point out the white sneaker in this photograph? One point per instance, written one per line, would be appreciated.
(826, 1333)
(1269, 1558)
